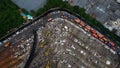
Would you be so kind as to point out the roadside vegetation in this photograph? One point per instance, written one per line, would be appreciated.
(81, 11)
(9, 17)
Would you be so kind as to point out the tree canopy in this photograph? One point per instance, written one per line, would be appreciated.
(9, 16)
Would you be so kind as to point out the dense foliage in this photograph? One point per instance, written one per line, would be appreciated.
(9, 16)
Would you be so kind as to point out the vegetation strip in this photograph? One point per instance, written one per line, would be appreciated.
(80, 11)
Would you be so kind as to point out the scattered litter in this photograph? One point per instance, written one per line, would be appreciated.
(81, 52)
(68, 50)
(108, 62)
(73, 47)
(69, 66)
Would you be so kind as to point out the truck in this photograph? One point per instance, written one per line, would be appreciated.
(92, 31)
(87, 28)
(82, 23)
(77, 20)
(95, 35)
(99, 35)
(104, 40)
(111, 43)
(65, 15)
(71, 17)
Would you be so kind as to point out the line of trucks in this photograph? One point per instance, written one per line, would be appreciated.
(93, 32)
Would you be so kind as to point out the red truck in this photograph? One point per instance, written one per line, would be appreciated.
(82, 23)
(87, 28)
(77, 20)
